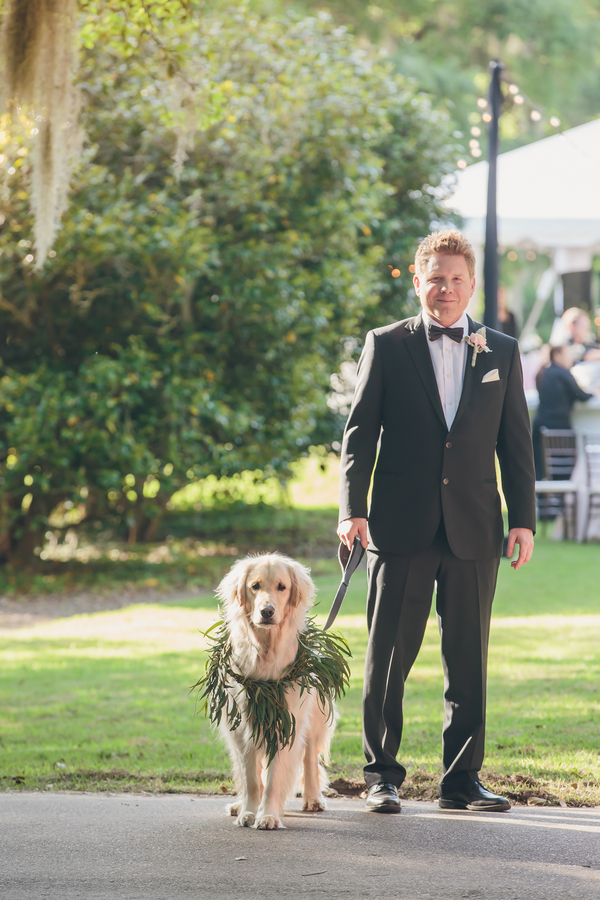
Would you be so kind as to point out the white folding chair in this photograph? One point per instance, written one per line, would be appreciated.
(559, 448)
(591, 446)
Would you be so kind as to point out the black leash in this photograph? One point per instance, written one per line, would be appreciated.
(349, 561)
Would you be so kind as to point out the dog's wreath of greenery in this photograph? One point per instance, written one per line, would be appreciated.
(320, 666)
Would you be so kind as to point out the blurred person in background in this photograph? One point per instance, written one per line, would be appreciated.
(534, 355)
(557, 391)
(507, 323)
(577, 325)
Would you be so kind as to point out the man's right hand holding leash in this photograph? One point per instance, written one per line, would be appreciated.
(349, 528)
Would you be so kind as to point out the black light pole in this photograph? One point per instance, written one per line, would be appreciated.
(490, 259)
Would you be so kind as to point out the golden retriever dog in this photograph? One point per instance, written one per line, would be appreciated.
(265, 600)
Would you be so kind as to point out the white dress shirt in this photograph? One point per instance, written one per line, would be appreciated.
(449, 361)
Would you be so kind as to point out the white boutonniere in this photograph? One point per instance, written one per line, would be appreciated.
(478, 342)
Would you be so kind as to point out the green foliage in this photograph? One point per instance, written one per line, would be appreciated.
(124, 25)
(163, 34)
(244, 489)
(550, 49)
(320, 666)
(188, 327)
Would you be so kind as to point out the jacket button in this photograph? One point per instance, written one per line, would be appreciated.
(446, 481)
(448, 444)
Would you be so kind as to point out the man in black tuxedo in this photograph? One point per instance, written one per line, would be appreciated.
(439, 409)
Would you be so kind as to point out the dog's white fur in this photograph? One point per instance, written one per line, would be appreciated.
(266, 600)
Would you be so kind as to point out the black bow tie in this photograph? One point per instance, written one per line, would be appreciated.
(436, 332)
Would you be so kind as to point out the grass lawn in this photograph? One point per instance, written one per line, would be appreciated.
(101, 701)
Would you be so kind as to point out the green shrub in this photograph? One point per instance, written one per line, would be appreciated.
(191, 327)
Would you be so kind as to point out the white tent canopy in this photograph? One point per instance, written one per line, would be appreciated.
(548, 197)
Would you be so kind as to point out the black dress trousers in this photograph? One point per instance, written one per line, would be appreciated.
(398, 605)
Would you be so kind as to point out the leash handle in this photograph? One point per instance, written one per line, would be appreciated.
(349, 561)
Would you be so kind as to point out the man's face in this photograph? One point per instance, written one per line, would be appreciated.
(445, 288)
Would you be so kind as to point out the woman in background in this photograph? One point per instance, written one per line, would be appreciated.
(584, 347)
(557, 391)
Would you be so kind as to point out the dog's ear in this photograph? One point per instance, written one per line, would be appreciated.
(303, 588)
(232, 588)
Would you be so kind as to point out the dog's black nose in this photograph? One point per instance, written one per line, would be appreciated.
(267, 613)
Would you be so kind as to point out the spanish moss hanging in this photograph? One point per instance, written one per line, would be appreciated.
(39, 57)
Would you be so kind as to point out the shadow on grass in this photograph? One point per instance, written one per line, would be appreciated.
(195, 551)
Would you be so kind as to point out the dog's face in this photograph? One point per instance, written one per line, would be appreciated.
(267, 588)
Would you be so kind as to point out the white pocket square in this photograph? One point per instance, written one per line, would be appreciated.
(492, 375)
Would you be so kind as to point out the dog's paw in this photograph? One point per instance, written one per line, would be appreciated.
(314, 804)
(268, 823)
(246, 819)
(233, 809)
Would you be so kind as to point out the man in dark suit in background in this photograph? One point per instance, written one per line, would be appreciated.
(439, 400)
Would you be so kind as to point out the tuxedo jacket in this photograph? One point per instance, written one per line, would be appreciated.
(423, 471)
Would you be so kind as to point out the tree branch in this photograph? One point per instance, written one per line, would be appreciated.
(20, 315)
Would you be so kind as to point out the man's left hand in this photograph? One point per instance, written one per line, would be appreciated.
(524, 538)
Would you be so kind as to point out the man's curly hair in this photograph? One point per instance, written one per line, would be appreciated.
(452, 243)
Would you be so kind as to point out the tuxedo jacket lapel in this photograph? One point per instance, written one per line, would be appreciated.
(416, 342)
(469, 379)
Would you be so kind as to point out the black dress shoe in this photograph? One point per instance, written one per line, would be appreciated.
(383, 798)
(475, 797)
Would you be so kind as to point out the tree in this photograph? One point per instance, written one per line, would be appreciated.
(187, 327)
(550, 49)
(39, 54)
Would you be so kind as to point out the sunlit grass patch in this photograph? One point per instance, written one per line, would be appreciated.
(101, 701)
(113, 710)
(96, 706)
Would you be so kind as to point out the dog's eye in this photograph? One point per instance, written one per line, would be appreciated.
(281, 587)
(256, 585)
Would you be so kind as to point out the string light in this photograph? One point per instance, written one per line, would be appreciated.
(512, 255)
(530, 255)
(518, 99)
(535, 115)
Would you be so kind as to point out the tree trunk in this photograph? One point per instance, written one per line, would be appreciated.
(25, 530)
(146, 518)
(151, 532)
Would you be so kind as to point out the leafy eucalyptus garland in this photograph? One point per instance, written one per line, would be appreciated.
(320, 666)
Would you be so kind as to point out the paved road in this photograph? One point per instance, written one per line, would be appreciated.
(69, 846)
